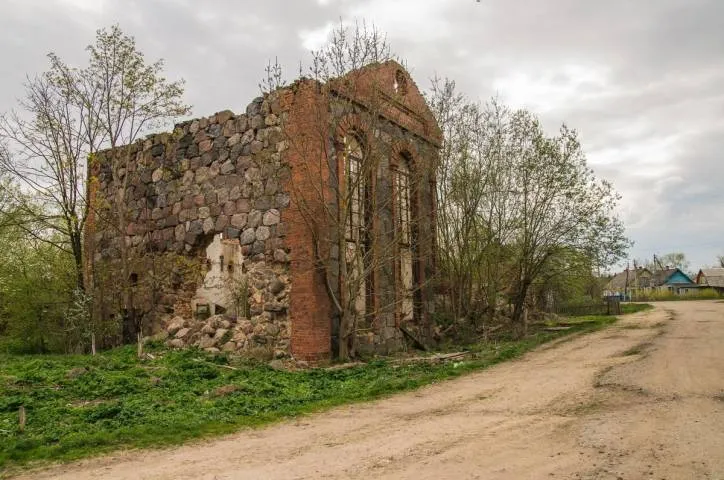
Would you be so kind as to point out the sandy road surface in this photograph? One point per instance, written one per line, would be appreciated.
(642, 399)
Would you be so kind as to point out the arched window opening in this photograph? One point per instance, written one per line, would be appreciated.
(354, 191)
(356, 208)
(403, 215)
(401, 186)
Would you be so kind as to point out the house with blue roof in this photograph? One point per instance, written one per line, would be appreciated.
(674, 281)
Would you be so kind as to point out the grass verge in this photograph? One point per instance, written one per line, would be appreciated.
(78, 406)
(628, 308)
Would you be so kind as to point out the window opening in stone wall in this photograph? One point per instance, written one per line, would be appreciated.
(406, 281)
(355, 188)
(134, 279)
(401, 185)
(202, 311)
(356, 195)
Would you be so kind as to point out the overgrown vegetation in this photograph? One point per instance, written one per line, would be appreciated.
(523, 221)
(66, 115)
(664, 296)
(79, 405)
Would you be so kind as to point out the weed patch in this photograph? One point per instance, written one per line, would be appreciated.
(81, 405)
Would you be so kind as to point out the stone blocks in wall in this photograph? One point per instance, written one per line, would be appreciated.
(215, 175)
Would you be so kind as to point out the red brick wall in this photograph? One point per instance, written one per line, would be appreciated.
(305, 102)
(310, 306)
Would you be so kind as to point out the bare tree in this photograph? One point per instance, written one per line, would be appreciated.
(475, 197)
(69, 115)
(676, 260)
(51, 140)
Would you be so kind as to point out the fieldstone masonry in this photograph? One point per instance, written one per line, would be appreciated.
(220, 175)
(214, 200)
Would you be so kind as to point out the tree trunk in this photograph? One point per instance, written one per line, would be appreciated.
(139, 339)
(77, 248)
(344, 327)
(519, 319)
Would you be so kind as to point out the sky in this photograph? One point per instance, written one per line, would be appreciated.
(641, 81)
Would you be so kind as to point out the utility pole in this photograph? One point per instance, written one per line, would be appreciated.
(657, 262)
(636, 277)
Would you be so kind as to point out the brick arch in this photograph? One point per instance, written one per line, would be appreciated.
(405, 148)
(351, 124)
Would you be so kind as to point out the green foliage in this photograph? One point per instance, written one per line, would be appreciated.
(520, 212)
(36, 281)
(135, 93)
(80, 405)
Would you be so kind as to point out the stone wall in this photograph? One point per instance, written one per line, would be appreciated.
(171, 195)
(208, 218)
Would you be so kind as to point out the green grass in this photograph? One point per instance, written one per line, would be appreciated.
(80, 405)
(627, 308)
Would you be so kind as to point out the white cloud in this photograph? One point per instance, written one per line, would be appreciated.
(90, 6)
(552, 88)
(314, 39)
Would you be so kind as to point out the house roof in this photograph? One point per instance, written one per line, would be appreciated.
(713, 277)
(625, 279)
(662, 276)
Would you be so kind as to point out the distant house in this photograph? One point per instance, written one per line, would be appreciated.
(639, 282)
(673, 280)
(629, 283)
(711, 278)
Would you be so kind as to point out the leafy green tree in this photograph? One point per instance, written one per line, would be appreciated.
(560, 204)
(35, 282)
(517, 209)
(134, 97)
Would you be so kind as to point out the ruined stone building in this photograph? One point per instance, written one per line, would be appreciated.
(223, 232)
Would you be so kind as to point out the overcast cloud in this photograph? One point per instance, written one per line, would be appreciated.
(643, 81)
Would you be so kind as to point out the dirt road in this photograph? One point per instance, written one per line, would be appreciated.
(642, 399)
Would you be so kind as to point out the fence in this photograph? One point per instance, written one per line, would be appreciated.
(612, 306)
